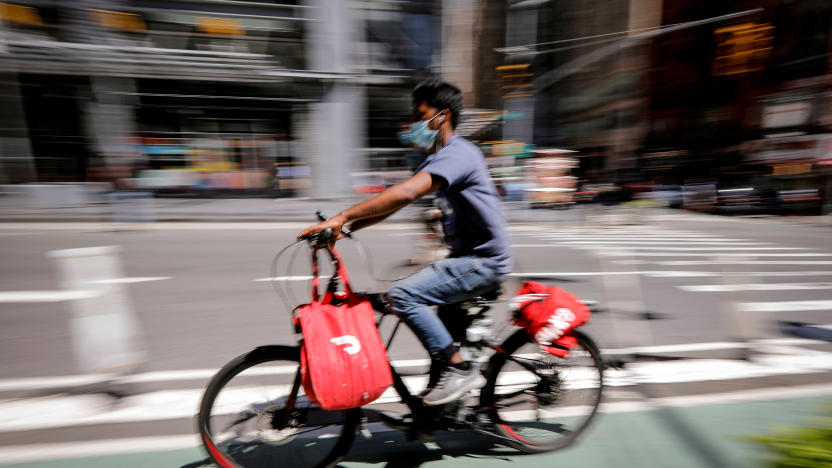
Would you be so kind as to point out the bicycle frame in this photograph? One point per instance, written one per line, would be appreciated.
(425, 417)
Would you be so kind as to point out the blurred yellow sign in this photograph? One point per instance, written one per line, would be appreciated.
(19, 14)
(119, 20)
(515, 80)
(742, 48)
(790, 169)
(220, 26)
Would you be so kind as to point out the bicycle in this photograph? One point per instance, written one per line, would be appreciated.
(532, 401)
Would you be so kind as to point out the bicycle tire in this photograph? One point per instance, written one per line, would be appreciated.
(262, 432)
(518, 383)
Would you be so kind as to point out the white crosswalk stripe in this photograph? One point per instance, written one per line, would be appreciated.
(785, 306)
(685, 249)
(755, 287)
(80, 410)
(665, 246)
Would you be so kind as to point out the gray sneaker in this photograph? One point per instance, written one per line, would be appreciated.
(453, 383)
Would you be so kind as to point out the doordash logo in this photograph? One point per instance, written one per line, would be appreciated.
(558, 323)
(353, 345)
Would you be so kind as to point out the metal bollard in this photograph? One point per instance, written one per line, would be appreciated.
(745, 326)
(624, 301)
(106, 336)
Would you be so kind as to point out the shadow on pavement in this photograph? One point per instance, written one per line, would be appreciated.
(199, 464)
(393, 449)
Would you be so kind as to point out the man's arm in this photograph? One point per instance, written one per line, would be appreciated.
(367, 222)
(380, 206)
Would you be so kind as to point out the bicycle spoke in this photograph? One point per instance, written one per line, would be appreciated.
(543, 402)
(240, 420)
(504, 396)
(513, 403)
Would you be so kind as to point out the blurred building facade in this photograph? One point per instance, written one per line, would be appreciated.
(295, 96)
(734, 90)
(223, 94)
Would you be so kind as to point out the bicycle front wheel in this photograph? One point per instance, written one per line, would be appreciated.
(254, 413)
(538, 401)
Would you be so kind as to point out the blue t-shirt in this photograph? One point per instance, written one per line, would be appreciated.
(471, 213)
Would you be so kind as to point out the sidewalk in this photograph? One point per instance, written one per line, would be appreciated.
(302, 210)
(13, 209)
(179, 210)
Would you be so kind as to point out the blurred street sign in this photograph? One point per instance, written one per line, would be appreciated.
(786, 115)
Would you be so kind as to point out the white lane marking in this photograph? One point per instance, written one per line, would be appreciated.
(614, 253)
(635, 237)
(656, 242)
(738, 262)
(669, 273)
(129, 280)
(291, 278)
(784, 306)
(755, 287)
(703, 370)
(95, 448)
(630, 235)
(46, 296)
(714, 346)
(19, 233)
(686, 249)
(572, 273)
(518, 246)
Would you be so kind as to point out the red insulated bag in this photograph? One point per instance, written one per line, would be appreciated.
(343, 361)
(548, 314)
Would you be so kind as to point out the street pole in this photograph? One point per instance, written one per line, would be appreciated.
(333, 139)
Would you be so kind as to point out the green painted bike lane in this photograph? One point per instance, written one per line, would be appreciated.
(679, 437)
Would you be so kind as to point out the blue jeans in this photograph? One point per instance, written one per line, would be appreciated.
(443, 282)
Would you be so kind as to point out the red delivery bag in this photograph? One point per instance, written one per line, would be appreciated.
(548, 314)
(343, 361)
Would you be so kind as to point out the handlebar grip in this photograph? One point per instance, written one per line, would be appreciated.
(346, 232)
(324, 236)
(321, 237)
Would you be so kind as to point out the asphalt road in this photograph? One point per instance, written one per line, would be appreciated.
(681, 285)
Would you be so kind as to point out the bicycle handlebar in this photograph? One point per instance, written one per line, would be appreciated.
(318, 238)
(346, 232)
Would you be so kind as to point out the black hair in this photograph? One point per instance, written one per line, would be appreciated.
(440, 95)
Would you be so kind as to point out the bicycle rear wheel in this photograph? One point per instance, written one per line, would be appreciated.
(538, 401)
(254, 414)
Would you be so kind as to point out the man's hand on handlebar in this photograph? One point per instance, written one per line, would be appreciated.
(336, 223)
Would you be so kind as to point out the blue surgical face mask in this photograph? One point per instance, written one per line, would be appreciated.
(421, 136)
(404, 137)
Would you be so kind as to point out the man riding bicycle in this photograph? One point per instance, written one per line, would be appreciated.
(474, 225)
